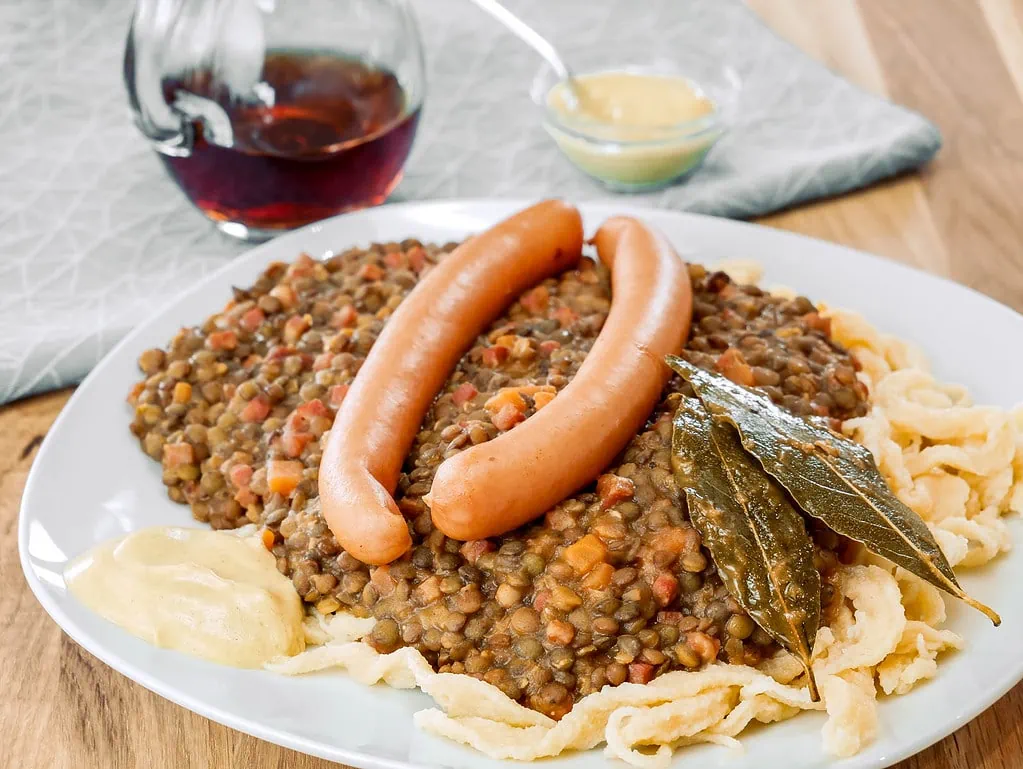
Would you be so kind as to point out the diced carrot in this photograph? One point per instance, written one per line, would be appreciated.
(565, 316)
(394, 259)
(474, 548)
(222, 340)
(301, 267)
(816, 321)
(323, 361)
(541, 399)
(284, 294)
(733, 365)
(513, 396)
(256, 410)
(599, 578)
(135, 392)
(240, 475)
(177, 454)
(560, 633)
(336, 394)
(382, 580)
(507, 340)
(535, 301)
(268, 539)
(464, 393)
(585, 553)
(252, 319)
(507, 417)
(675, 540)
(664, 589)
(283, 475)
(182, 392)
(295, 326)
(252, 360)
(613, 489)
(495, 356)
(547, 347)
(416, 258)
(641, 673)
(346, 317)
(370, 271)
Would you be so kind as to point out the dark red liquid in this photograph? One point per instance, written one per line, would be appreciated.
(335, 139)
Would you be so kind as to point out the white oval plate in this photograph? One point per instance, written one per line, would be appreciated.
(91, 482)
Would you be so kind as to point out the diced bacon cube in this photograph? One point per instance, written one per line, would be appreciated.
(382, 580)
(252, 319)
(474, 548)
(336, 394)
(675, 540)
(565, 316)
(669, 617)
(540, 599)
(283, 475)
(427, 591)
(295, 326)
(613, 489)
(256, 410)
(547, 347)
(394, 259)
(464, 393)
(665, 589)
(251, 361)
(346, 317)
(733, 365)
(301, 267)
(370, 271)
(176, 455)
(284, 294)
(416, 258)
(293, 442)
(222, 340)
(559, 632)
(507, 417)
(312, 408)
(495, 356)
(323, 361)
(280, 352)
(641, 673)
(240, 475)
(245, 497)
(536, 300)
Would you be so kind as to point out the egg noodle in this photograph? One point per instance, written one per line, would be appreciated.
(959, 466)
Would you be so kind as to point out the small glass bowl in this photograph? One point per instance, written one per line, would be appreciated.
(661, 156)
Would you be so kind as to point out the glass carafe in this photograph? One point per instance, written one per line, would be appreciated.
(271, 114)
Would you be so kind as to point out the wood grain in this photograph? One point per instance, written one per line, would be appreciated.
(960, 62)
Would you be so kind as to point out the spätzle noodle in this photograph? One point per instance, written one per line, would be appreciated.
(959, 466)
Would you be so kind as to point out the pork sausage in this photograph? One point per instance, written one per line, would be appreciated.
(422, 342)
(496, 486)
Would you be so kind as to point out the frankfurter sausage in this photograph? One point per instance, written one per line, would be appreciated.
(499, 485)
(422, 342)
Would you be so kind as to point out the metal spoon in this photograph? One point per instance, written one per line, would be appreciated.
(538, 43)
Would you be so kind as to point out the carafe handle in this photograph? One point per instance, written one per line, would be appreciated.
(149, 34)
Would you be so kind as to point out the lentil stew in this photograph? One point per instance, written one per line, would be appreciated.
(612, 585)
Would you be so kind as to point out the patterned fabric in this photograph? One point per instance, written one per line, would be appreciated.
(93, 234)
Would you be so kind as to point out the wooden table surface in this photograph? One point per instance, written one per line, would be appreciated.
(960, 62)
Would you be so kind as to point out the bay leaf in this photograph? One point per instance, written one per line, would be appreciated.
(831, 478)
(757, 538)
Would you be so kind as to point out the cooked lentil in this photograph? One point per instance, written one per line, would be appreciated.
(611, 585)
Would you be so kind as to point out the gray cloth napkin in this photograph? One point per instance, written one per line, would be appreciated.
(94, 235)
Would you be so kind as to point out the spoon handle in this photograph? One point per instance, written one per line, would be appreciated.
(528, 35)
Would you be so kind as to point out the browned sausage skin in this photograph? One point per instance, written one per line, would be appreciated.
(413, 357)
(499, 485)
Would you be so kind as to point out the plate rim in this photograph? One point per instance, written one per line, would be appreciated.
(355, 757)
